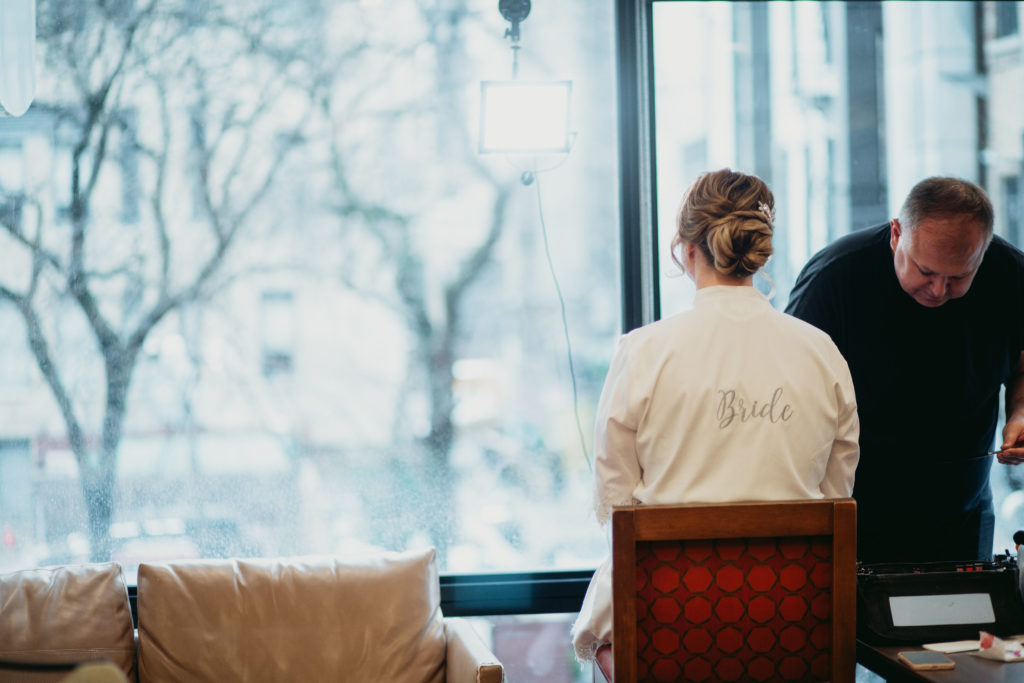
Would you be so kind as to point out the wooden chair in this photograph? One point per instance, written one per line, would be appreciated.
(735, 592)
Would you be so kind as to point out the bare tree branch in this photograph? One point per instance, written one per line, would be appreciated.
(35, 245)
(157, 196)
(44, 359)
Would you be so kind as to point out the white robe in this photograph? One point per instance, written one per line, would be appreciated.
(729, 401)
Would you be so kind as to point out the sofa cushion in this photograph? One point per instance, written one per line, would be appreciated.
(298, 619)
(65, 614)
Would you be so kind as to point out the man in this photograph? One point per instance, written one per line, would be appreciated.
(929, 313)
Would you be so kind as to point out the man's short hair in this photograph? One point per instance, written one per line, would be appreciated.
(945, 196)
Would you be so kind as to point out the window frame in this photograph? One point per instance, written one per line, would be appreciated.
(641, 298)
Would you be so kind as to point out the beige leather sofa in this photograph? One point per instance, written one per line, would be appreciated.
(216, 621)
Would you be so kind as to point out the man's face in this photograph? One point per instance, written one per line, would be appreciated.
(937, 261)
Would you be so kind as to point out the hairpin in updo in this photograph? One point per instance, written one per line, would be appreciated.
(767, 211)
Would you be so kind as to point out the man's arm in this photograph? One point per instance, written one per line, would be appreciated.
(1013, 432)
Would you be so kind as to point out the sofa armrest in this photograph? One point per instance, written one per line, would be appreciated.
(467, 659)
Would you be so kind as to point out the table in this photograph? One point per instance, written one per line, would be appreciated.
(969, 669)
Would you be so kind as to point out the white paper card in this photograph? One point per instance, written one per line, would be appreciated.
(938, 610)
(952, 646)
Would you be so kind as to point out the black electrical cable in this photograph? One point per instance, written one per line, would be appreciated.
(565, 322)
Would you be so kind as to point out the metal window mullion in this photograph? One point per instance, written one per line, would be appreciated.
(635, 73)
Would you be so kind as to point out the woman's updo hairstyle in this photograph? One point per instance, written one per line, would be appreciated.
(729, 216)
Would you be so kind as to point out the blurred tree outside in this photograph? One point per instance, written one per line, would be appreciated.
(432, 230)
(316, 153)
(194, 115)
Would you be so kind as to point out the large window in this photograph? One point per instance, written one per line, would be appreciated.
(261, 294)
(841, 112)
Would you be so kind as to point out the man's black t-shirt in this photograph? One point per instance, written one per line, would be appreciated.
(927, 383)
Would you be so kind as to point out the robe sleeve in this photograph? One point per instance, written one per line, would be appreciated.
(617, 471)
(845, 454)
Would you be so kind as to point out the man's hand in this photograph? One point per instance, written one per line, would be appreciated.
(1013, 441)
(1013, 432)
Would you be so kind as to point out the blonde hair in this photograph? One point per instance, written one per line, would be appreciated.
(729, 216)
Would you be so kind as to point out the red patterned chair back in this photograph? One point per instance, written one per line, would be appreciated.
(735, 592)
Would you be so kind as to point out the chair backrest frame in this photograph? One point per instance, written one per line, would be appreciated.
(836, 518)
